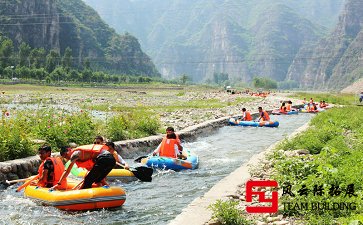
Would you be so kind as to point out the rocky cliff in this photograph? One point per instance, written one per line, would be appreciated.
(336, 61)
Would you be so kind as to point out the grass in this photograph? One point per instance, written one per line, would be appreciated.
(335, 140)
(337, 98)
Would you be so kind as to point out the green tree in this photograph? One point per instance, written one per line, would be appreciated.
(67, 59)
(52, 61)
(220, 78)
(184, 78)
(87, 64)
(263, 82)
(6, 53)
(24, 53)
(36, 57)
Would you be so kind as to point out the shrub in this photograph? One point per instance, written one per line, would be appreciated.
(226, 212)
(14, 141)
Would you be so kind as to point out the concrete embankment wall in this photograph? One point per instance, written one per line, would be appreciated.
(22, 168)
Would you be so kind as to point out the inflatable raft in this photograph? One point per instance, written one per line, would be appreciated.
(166, 163)
(277, 112)
(78, 200)
(233, 122)
(119, 174)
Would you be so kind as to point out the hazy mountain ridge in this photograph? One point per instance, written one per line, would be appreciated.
(189, 37)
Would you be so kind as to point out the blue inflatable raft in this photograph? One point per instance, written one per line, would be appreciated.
(233, 122)
(166, 163)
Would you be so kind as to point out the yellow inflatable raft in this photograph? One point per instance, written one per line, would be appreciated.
(78, 200)
(120, 174)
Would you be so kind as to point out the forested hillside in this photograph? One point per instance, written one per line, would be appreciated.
(67, 36)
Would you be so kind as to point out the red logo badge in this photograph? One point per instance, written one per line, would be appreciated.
(261, 196)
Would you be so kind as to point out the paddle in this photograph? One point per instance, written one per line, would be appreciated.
(143, 173)
(138, 160)
(27, 183)
(8, 182)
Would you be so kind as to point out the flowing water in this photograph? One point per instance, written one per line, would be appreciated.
(161, 200)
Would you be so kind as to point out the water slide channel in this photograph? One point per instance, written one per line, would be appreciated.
(161, 200)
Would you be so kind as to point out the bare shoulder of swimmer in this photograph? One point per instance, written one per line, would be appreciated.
(75, 155)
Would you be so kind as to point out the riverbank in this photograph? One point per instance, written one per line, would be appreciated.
(229, 187)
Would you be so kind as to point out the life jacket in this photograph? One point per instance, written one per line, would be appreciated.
(288, 107)
(94, 150)
(167, 148)
(58, 171)
(265, 117)
(283, 109)
(248, 116)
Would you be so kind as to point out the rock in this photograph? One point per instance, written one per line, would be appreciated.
(14, 168)
(282, 222)
(5, 169)
(302, 151)
(260, 223)
(272, 219)
(12, 176)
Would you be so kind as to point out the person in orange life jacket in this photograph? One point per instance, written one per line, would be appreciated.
(289, 106)
(169, 147)
(98, 160)
(263, 115)
(283, 108)
(118, 158)
(312, 107)
(170, 130)
(50, 170)
(246, 116)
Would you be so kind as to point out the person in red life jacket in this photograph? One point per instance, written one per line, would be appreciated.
(118, 158)
(169, 147)
(263, 115)
(96, 158)
(50, 170)
(283, 108)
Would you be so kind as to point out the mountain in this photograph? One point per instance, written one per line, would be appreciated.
(336, 61)
(54, 24)
(242, 38)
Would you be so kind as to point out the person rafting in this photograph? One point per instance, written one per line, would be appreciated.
(246, 116)
(263, 115)
(119, 160)
(169, 146)
(98, 159)
(50, 170)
